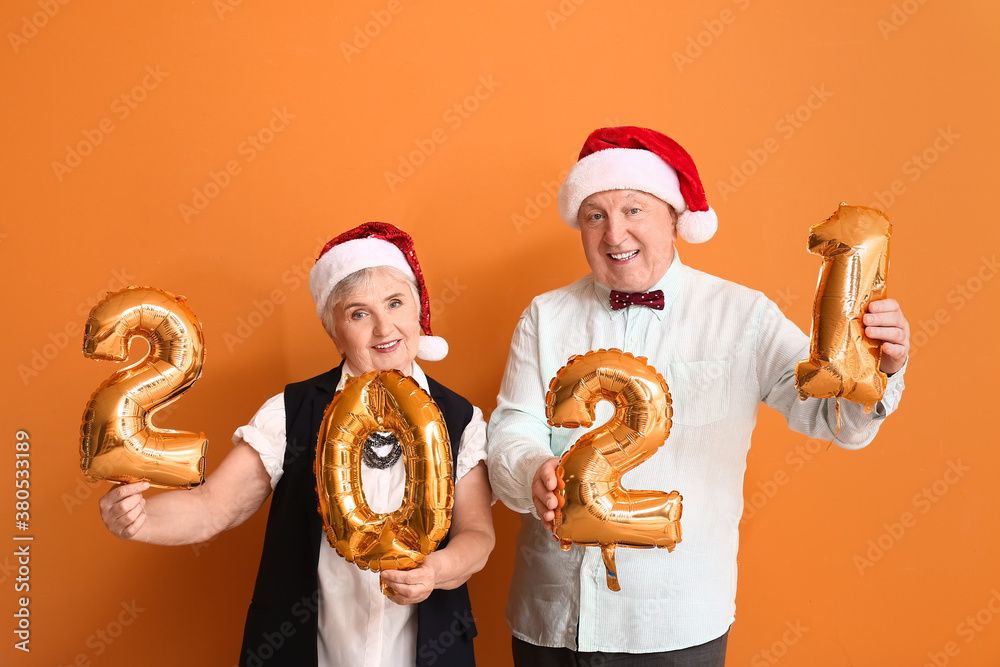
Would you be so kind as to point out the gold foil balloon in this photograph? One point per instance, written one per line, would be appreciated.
(843, 361)
(384, 401)
(118, 441)
(598, 510)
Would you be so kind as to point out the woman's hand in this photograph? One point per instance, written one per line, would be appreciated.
(123, 510)
(470, 541)
(414, 585)
(229, 496)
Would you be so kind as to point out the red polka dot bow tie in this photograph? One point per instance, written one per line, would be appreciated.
(652, 299)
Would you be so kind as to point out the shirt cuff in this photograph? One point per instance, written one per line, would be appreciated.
(893, 392)
(899, 374)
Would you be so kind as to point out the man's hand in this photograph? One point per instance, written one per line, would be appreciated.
(543, 492)
(884, 322)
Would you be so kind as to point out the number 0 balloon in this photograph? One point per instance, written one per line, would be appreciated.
(598, 510)
(118, 442)
(384, 401)
(843, 361)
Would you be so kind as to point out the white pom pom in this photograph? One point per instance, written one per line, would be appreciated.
(697, 226)
(432, 348)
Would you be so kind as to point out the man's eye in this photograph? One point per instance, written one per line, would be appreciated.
(395, 303)
(634, 210)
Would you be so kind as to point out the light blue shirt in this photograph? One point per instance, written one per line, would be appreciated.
(722, 349)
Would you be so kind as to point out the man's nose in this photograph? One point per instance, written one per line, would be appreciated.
(616, 232)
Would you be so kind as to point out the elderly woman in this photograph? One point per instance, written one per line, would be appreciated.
(310, 606)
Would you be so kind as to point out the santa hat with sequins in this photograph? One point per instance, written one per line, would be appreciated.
(369, 245)
(636, 158)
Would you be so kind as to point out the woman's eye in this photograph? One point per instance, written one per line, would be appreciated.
(357, 314)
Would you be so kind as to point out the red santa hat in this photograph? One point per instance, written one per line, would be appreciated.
(369, 245)
(636, 158)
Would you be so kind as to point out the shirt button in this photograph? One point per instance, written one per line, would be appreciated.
(590, 572)
(634, 339)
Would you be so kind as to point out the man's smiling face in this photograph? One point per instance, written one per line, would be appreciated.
(628, 237)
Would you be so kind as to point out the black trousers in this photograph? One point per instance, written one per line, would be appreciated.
(709, 654)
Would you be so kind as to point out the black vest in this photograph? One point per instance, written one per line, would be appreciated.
(281, 624)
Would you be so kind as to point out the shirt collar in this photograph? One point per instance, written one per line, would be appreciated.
(670, 283)
(416, 373)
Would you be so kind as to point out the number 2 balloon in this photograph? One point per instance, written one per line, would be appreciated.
(598, 510)
(117, 439)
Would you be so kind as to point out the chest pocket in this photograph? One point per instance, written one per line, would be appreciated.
(699, 391)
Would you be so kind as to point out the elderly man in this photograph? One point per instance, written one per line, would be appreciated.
(721, 348)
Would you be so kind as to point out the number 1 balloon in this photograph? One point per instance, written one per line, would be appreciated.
(117, 439)
(843, 361)
(598, 510)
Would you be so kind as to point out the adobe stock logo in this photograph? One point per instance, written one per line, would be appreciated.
(122, 107)
(363, 35)
(901, 13)
(561, 13)
(914, 167)
(31, 25)
(787, 125)
(248, 149)
(40, 357)
(106, 635)
(223, 7)
(923, 501)
(294, 277)
(697, 43)
(455, 116)
(779, 648)
(968, 629)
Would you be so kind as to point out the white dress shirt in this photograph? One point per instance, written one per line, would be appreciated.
(722, 349)
(358, 625)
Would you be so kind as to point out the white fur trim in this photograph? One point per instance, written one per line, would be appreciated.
(618, 169)
(697, 226)
(350, 256)
(432, 348)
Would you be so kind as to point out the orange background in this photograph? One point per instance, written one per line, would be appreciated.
(733, 81)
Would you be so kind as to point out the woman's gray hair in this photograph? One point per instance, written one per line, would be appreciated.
(363, 279)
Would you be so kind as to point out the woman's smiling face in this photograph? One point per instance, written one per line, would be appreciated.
(377, 327)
